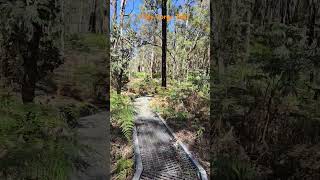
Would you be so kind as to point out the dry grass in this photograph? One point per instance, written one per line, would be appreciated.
(189, 133)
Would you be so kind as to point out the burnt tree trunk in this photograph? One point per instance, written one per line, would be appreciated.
(93, 18)
(30, 59)
(164, 43)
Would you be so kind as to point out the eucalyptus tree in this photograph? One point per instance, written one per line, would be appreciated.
(164, 43)
(122, 41)
(30, 32)
(187, 48)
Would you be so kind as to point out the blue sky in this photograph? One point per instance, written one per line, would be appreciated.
(133, 6)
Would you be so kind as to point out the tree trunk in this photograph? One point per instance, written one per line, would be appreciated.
(247, 35)
(119, 87)
(122, 13)
(216, 29)
(105, 17)
(100, 16)
(164, 43)
(62, 28)
(114, 17)
(108, 58)
(30, 60)
(212, 64)
(312, 22)
(153, 60)
(93, 18)
(80, 16)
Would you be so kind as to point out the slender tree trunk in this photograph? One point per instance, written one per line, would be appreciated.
(93, 18)
(120, 75)
(247, 34)
(153, 71)
(212, 65)
(217, 27)
(311, 24)
(108, 59)
(164, 43)
(62, 27)
(119, 87)
(105, 20)
(80, 16)
(122, 13)
(114, 17)
(100, 16)
(30, 60)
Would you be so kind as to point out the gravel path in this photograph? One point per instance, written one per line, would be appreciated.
(94, 133)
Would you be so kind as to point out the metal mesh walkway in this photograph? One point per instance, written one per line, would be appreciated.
(162, 158)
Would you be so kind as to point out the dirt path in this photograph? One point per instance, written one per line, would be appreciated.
(162, 157)
(94, 133)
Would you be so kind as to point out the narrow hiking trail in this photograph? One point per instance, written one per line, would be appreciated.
(93, 132)
(159, 156)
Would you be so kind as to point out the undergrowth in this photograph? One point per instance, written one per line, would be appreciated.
(36, 141)
(122, 112)
(86, 42)
(122, 117)
(123, 168)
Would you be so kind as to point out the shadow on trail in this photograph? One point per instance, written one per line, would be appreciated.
(160, 154)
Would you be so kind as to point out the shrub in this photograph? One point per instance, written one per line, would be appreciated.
(123, 168)
(122, 112)
(35, 143)
(226, 168)
(70, 115)
(187, 102)
(140, 75)
(86, 42)
(145, 86)
(87, 109)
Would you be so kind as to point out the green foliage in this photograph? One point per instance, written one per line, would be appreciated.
(145, 86)
(200, 80)
(5, 99)
(69, 114)
(122, 112)
(87, 109)
(86, 77)
(75, 41)
(181, 115)
(20, 23)
(140, 75)
(200, 132)
(35, 143)
(232, 169)
(123, 168)
(95, 40)
(168, 112)
(121, 55)
(267, 99)
(87, 42)
(88, 81)
(184, 100)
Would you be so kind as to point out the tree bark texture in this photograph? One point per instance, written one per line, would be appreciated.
(30, 60)
(164, 43)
